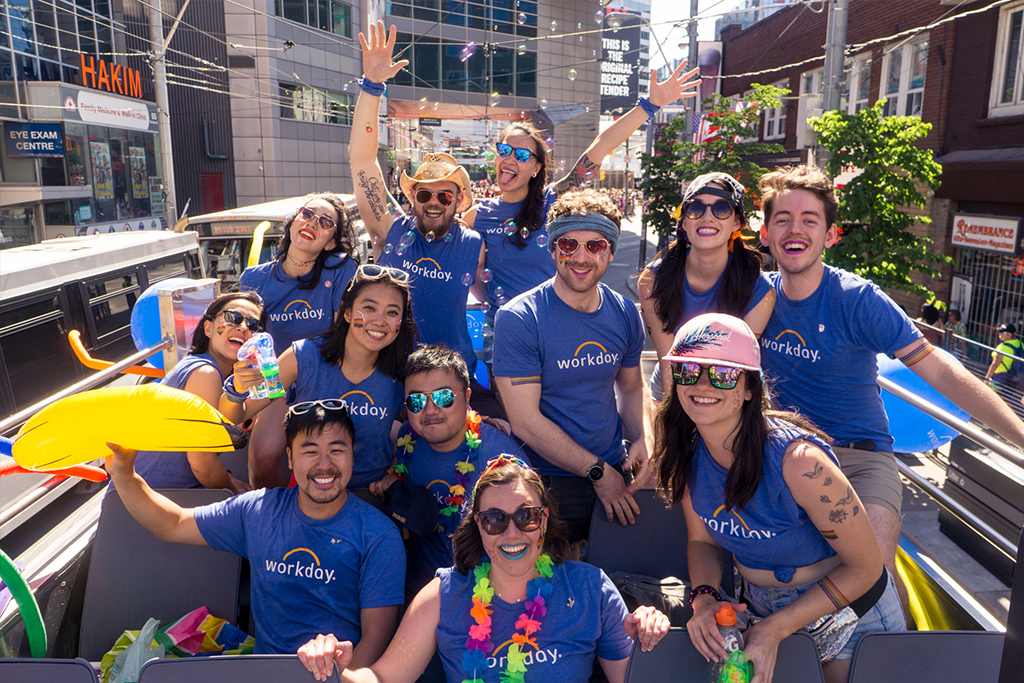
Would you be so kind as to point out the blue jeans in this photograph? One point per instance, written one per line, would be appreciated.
(886, 615)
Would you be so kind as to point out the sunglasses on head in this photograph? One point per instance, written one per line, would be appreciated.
(522, 154)
(721, 376)
(721, 209)
(325, 222)
(494, 521)
(442, 398)
(325, 403)
(446, 197)
(234, 318)
(373, 271)
(568, 246)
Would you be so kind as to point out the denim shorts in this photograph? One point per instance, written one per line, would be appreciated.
(886, 615)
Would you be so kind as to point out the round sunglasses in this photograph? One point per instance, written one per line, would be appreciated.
(721, 376)
(325, 222)
(495, 521)
(234, 318)
(325, 403)
(442, 398)
(695, 208)
(569, 245)
(444, 196)
(372, 271)
(522, 154)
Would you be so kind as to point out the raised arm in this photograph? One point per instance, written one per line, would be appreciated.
(677, 85)
(372, 195)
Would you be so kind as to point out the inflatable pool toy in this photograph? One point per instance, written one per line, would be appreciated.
(27, 605)
(89, 472)
(912, 430)
(145, 320)
(148, 417)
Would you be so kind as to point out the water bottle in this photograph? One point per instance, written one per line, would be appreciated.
(725, 617)
(735, 669)
(260, 347)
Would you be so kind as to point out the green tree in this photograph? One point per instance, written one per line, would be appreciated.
(876, 242)
(678, 161)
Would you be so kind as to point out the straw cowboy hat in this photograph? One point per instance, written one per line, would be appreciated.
(436, 167)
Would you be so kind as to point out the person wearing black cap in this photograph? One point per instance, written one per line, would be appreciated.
(1004, 369)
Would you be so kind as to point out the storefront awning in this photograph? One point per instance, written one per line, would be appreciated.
(982, 175)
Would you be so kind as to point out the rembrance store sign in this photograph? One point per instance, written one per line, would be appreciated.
(34, 139)
(989, 233)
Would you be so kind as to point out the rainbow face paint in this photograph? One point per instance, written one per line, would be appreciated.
(221, 329)
(360, 321)
(564, 258)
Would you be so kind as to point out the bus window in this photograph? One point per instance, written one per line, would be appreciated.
(164, 270)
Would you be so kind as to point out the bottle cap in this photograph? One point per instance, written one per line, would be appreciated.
(725, 616)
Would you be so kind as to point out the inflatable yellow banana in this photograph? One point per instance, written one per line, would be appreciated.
(148, 417)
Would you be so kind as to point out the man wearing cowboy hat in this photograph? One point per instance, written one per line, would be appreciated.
(441, 257)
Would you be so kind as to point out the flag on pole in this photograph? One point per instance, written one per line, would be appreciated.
(706, 132)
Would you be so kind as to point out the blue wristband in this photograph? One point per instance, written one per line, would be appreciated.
(646, 105)
(371, 88)
(229, 391)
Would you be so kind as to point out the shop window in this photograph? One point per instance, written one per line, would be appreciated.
(16, 170)
(302, 103)
(903, 71)
(1008, 78)
(213, 191)
(58, 213)
(51, 172)
(858, 85)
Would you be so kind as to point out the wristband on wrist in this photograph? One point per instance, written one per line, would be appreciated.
(650, 109)
(371, 88)
(703, 589)
(229, 391)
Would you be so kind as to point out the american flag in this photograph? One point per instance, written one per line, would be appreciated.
(704, 132)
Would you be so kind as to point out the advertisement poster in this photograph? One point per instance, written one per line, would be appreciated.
(156, 195)
(140, 181)
(620, 52)
(102, 175)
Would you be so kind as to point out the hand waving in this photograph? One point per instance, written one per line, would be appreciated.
(678, 85)
(377, 64)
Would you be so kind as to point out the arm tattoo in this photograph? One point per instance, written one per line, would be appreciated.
(837, 516)
(579, 174)
(826, 499)
(818, 470)
(827, 482)
(848, 499)
(833, 592)
(373, 192)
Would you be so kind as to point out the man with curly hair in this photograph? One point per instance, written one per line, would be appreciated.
(562, 350)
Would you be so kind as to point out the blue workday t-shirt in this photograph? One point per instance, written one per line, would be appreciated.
(294, 313)
(309, 576)
(435, 471)
(584, 620)
(576, 357)
(440, 274)
(373, 404)
(820, 353)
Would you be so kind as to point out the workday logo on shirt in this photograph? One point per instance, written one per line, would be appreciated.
(297, 310)
(537, 655)
(588, 354)
(297, 563)
(426, 267)
(728, 526)
(790, 343)
(361, 403)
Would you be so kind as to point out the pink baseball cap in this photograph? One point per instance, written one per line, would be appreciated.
(716, 339)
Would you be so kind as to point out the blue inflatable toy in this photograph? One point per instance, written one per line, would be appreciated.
(145, 321)
(913, 430)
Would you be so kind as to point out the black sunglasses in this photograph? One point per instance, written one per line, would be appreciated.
(695, 208)
(325, 222)
(721, 376)
(443, 196)
(522, 154)
(372, 271)
(442, 398)
(495, 521)
(325, 403)
(234, 318)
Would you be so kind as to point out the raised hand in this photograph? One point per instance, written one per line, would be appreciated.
(678, 85)
(377, 64)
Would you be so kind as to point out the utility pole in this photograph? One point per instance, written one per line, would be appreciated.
(835, 62)
(157, 60)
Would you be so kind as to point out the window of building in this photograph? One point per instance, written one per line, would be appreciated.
(213, 191)
(303, 103)
(857, 90)
(327, 15)
(813, 83)
(1008, 78)
(775, 119)
(509, 17)
(506, 71)
(903, 78)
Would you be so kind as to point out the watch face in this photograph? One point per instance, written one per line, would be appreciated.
(596, 472)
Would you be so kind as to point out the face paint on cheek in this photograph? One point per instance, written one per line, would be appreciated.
(221, 329)
(736, 402)
(564, 258)
(360, 321)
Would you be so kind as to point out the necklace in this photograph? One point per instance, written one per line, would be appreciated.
(457, 491)
(300, 264)
(479, 644)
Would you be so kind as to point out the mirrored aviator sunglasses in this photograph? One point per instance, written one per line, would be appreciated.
(442, 398)
(234, 318)
(695, 209)
(526, 519)
(522, 154)
(721, 376)
(325, 403)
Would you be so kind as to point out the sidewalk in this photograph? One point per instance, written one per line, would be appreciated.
(622, 272)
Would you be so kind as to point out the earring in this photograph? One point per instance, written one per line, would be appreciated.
(534, 175)
(540, 540)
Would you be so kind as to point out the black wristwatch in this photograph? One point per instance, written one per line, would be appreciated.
(596, 471)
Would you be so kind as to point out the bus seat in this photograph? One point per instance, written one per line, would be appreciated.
(229, 669)
(675, 659)
(47, 671)
(133, 576)
(927, 656)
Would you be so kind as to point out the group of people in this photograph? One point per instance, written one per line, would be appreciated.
(763, 421)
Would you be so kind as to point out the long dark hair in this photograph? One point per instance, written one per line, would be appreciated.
(466, 542)
(676, 439)
(391, 359)
(344, 239)
(200, 342)
(734, 295)
(531, 211)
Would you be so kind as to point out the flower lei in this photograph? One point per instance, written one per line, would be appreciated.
(462, 468)
(479, 643)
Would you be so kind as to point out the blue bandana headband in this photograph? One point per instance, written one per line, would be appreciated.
(593, 222)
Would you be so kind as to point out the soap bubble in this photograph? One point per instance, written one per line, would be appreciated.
(495, 99)
(554, 25)
(500, 293)
(375, 239)
(572, 74)
(542, 240)
(509, 226)
(486, 275)
(387, 248)
(468, 51)
(550, 142)
(345, 86)
(486, 332)
(502, 300)
(400, 249)
(524, 233)
(484, 307)
(586, 109)
(467, 279)
(578, 26)
(522, 17)
(543, 104)
(521, 49)
(447, 237)
(598, 17)
(429, 236)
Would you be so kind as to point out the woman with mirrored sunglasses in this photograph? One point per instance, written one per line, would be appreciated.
(229, 321)
(765, 485)
(710, 267)
(359, 360)
(514, 606)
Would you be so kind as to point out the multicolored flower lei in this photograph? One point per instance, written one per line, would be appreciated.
(479, 643)
(458, 492)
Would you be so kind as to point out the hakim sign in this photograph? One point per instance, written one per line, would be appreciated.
(620, 52)
(114, 78)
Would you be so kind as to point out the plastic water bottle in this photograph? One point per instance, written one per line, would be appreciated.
(725, 617)
(260, 347)
(735, 669)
